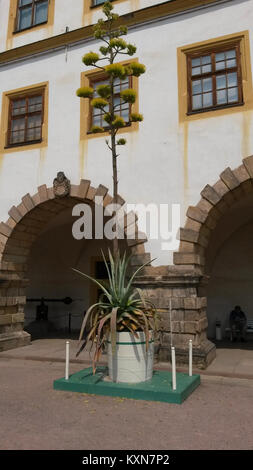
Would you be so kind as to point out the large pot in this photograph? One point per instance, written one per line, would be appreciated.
(131, 363)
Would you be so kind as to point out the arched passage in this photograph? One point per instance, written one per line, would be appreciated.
(217, 242)
(30, 223)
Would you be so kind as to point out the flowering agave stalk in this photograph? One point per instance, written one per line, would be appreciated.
(120, 307)
(110, 33)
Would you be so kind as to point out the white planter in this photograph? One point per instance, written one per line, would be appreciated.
(131, 363)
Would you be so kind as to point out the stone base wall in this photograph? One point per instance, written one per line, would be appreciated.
(176, 293)
(12, 301)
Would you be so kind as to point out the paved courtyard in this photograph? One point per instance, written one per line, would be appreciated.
(219, 415)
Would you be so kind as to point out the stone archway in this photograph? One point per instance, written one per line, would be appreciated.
(197, 248)
(17, 236)
(215, 202)
(180, 289)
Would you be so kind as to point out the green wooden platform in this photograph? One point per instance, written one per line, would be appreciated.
(159, 388)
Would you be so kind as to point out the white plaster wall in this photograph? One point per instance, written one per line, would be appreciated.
(67, 13)
(153, 167)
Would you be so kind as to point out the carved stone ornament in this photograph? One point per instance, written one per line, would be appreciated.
(61, 185)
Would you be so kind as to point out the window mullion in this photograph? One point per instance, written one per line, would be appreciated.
(214, 79)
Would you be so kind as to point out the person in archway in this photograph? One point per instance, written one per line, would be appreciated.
(238, 324)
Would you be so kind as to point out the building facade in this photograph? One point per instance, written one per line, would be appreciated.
(192, 149)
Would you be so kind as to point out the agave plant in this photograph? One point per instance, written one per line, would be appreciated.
(120, 307)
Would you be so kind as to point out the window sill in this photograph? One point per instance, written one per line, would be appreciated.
(17, 31)
(107, 129)
(214, 108)
(23, 144)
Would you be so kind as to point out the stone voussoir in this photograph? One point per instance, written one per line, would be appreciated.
(83, 188)
(229, 178)
(210, 195)
(248, 163)
(42, 191)
(197, 214)
(28, 202)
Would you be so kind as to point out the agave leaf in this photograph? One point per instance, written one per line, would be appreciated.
(86, 316)
(136, 272)
(132, 331)
(107, 269)
(82, 347)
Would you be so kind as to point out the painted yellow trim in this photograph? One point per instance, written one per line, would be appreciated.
(12, 22)
(243, 38)
(85, 105)
(133, 18)
(4, 118)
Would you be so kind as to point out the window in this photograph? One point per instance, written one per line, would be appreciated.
(123, 109)
(214, 78)
(25, 119)
(94, 117)
(31, 13)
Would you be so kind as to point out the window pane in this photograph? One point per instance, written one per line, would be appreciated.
(34, 104)
(40, 13)
(17, 131)
(24, 2)
(125, 114)
(207, 84)
(195, 62)
(221, 81)
(25, 18)
(18, 107)
(219, 56)
(34, 121)
(33, 134)
(230, 54)
(125, 85)
(206, 68)
(222, 97)
(220, 65)
(232, 95)
(97, 2)
(196, 71)
(117, 101)
(196, 87)
(231, 63)
(206, 59)
(196, 102)
(207, 100)
(96, 121)
(232, 79)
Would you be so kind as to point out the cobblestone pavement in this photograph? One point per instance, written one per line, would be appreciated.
(34, 416)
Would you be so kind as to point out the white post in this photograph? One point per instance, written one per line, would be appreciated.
(173, 362)
(171, 339)
(190, 358)
(67, 361)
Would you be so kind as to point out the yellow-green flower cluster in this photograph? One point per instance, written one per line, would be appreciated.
(129, 95)
(85, 92)
(90, 58)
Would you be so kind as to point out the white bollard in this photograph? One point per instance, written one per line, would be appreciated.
(67, 361)
(190, 358)
(173, 362)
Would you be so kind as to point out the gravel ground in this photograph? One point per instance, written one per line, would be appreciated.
(34, 416)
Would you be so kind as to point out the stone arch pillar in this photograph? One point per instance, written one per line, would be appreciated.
(17, 234)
